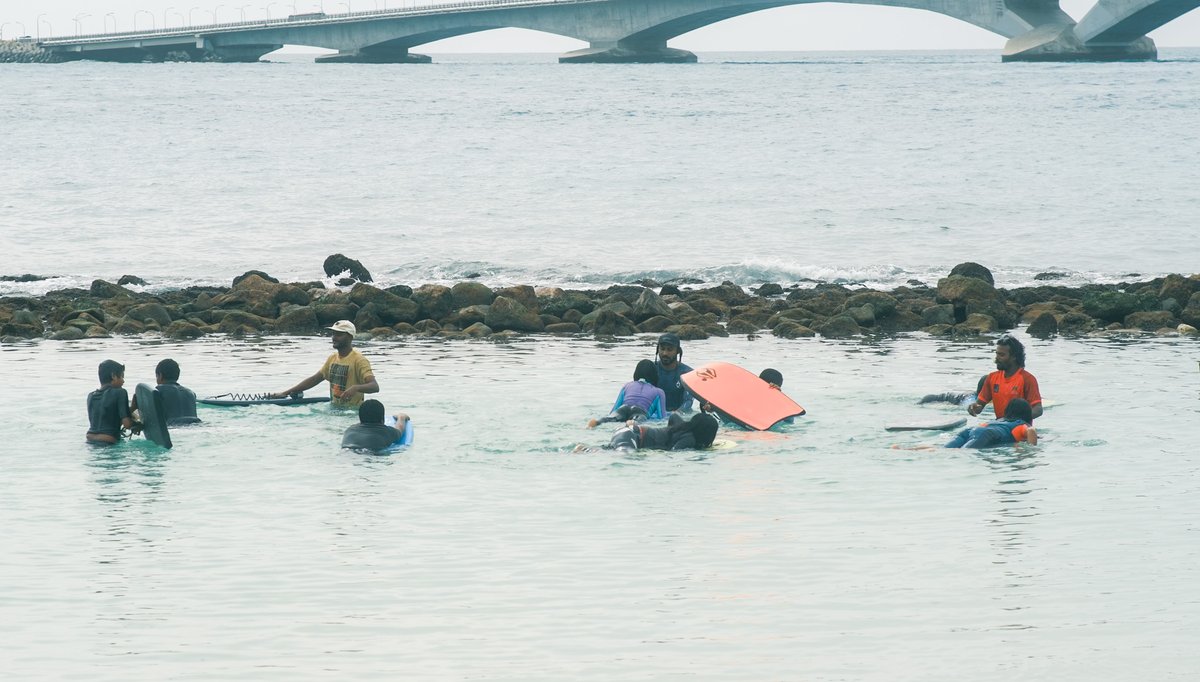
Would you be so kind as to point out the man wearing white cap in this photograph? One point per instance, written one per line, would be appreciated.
(349, 373)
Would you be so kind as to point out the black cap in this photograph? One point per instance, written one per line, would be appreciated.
(672, 340)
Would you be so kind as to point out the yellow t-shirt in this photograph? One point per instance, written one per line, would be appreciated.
(348, 371)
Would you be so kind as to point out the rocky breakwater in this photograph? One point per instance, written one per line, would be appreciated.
(25, 52)
(965, 303)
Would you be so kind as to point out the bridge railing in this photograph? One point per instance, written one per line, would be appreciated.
(345, 17)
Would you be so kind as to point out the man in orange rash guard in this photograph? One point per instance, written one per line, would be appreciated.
(1010, 380)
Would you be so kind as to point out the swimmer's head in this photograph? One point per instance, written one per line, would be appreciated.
(371, 412)
(1018, 408)
(646, 370)
(168, 369)
(704, 429)
(109, 369)
(772, 376)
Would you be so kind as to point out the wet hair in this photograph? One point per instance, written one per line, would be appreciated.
(1015, 348)
(646, 370)
(772, 376)
(704, 429)
(169, 369)
(370, 412)
(1018, 408)
(109, 369)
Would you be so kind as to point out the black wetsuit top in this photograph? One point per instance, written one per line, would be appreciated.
(107, 407)
(178, 403)
(670, 437)
(370, 436)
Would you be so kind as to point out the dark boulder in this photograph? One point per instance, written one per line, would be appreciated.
(509, 314)
(183, 330)
(1111, 306)
(435, 301)
(792, 330)
(471, 293)
(521, 293)
(102, 289)
(648, 305)
(839, 327)
(253, 273)
(388, 307)
(1150, 320)
(611, 323)
(126, 280)
(353, 271)
(1044, 326)
(974, 270)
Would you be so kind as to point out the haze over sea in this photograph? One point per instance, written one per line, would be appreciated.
(257, 550)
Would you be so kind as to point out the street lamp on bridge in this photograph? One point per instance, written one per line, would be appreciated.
(144, 11)
(268, 8)
(79, 22)
(15, 23)
(243, 11)
(114, 18)
(38, 27)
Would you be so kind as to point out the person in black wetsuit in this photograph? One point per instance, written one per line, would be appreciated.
(370, 433)
(953, 397)
(179, 403)
(680, 433)
(108, 406)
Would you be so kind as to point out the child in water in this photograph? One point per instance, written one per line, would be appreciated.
(639, 399)
(108, 406)
(1016, 427)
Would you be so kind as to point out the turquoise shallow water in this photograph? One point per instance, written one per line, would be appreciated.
(256, 549)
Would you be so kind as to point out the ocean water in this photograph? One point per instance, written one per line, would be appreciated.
(255, 549)
(874, 168)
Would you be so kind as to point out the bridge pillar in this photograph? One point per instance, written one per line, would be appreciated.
(1058, 43)
(376, 54)
(623, 52)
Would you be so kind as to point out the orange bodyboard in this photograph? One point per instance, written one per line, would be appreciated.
(740, 395)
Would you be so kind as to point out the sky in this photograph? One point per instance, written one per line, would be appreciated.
(798, 28)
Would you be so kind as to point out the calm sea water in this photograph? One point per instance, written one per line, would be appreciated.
(257, 550)
(848, 167)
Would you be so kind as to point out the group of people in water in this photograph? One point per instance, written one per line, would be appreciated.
(656, 392)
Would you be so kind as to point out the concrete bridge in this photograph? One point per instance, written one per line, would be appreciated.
(618, 31)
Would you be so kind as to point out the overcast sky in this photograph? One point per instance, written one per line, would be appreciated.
(819, 27)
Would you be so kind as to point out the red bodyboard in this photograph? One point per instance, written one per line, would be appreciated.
(740, 395)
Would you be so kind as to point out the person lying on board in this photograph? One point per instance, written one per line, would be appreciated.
(370, 433)
(1015, 427)
(639, 399)
(680, 433)
(774, 379)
